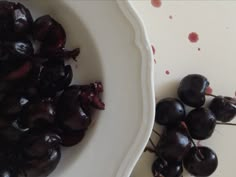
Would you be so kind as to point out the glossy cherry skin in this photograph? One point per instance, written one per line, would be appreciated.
(169, 111)
(192, 90)
(54, 77)
(160, 169)
(40, 167)
(38, 114)
(224, 108)
(201, 166)
(22, 19)
(20, 48)
(201, 123)
(173, 144)
(37, 145)
(41, 27)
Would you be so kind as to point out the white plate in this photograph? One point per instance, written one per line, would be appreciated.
(114, 50)
(169, 27)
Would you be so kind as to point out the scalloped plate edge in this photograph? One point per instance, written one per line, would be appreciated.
(148, 93)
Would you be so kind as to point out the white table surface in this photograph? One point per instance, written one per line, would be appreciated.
(213, 55)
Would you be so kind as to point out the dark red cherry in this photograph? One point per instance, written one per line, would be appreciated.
(161, 168)
(54, 77)
(50, 33)
(40, 167)
(224, 108)
(55, 38)
(192, 90)
(37, 145)
(169, 111)
(41, 27)
(71, 117)
(38, 114)
(201, 123)
(173, 144)
(198, 165)
(22, 19)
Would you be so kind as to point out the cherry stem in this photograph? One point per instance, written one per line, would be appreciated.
(190, 137)
(212, 95)
(153, 145)
(225, 123)
(156, 132)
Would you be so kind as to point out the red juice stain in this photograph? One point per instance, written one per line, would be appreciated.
(156, 3)
(167, 72)
(193, 37)
(209, 90)
(155, 61)
(170, 17)
(153, 50)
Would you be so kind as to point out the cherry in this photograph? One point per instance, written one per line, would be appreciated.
(55, 38)
(41, 27)
(37, 145)
(200, 165)
(192, 90)
(160, 169)
(38, 114)
(173, 144)
(169, 111)
(39, 167)
(201, 123)
(224, 108)
(54, 77)
(73, 118)
(22, 19)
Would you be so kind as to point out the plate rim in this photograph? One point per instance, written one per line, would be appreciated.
(147, 85)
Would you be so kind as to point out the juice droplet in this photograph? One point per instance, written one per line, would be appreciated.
(155, 61)
(167, 72)
(209, 90)
(153, 50)
(170, 17)
(193, 37)
(156, 3)
(199, 49)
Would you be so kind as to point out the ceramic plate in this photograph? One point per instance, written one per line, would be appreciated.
(114, 50)
(213, 55)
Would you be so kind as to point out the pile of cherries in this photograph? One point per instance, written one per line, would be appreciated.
(39, 110)
(176, 147)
